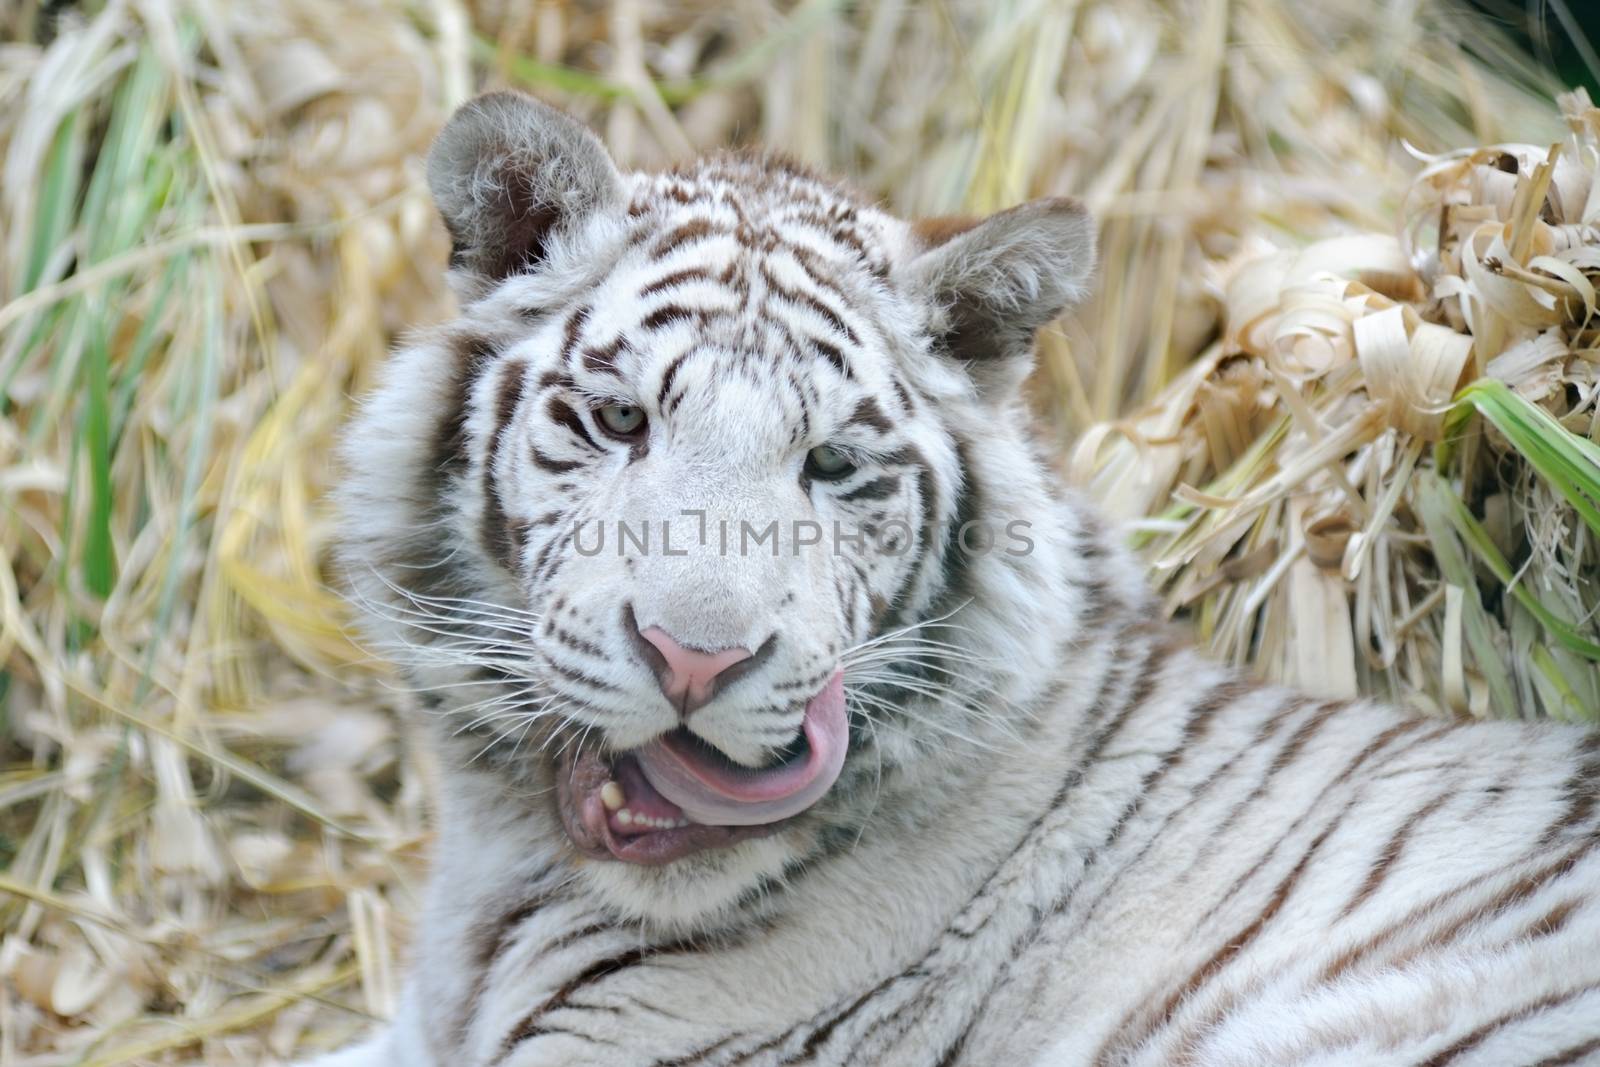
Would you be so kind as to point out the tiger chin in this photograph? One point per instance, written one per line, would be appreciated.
(791, 712)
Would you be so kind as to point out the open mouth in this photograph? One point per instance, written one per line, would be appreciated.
(678, 795)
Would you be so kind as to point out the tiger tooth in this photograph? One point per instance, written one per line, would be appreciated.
(625, 817)
(611, 796)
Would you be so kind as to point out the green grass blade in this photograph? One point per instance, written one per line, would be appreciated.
(1567, 462)
(144, 345)
(115, 213)
(99, 563)
(1561, 700)
(1438, 508)
(58, 198)
(200, 409)
(1441, 507)
(57, 207)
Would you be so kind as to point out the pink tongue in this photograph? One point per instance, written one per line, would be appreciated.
(719, 793)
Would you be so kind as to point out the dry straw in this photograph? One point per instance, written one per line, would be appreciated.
(212, 226)
(1380, 478)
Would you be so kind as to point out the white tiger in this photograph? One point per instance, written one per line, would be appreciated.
(918, 778)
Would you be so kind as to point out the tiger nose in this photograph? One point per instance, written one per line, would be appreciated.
(687, 676)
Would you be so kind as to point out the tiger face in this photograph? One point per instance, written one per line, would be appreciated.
(681, 502)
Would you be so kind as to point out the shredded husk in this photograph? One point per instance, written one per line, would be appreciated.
(213, 225)
(1319, 489)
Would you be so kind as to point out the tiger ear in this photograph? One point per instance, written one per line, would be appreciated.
(509, 175)
(995, 281)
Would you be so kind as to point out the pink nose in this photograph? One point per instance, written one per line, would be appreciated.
(688, 676)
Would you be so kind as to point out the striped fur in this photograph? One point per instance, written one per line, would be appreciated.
(1061, 837)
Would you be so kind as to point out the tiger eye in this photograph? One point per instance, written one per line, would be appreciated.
(624, 420)
(825, 461)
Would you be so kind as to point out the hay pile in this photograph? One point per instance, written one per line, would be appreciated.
(212, 225)
(1382, 478)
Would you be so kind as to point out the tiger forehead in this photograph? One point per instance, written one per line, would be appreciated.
(733, 271)
(766, 204)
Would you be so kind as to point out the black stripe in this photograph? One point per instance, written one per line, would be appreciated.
(598, 971)
(668, 377)
(956, 564)
(835, 229)
(1231, 946)
(804, 299)
(868, 413)
(572, 937)
(562, 414)
(554, 466)
(1297, 742)
(1156, 653)
(1198, 719)
(698, 1055)
(1116, 716)
(1377, 744)
(1582, 790)
(962, 927)
(667, 315)
(677, 277)
(876, 489)
(1520, 890)
(580, 677)
(820, 276)
(577, 643)
(1389, 854)
(551, 545)
(502, 538)
(912, 457)
(602, 359)
(1570, 1055)
(832, 354)
(491, 940)
(820, 1035)
(574, 329)
(1550, 922)
(472, 356)
(952, 1055)
(903, 393)
(1279, 762)
(694, 230)
(1271, 725)
(1477, 1037)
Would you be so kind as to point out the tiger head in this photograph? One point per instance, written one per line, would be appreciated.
(710, 530)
